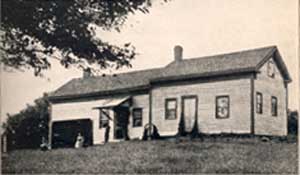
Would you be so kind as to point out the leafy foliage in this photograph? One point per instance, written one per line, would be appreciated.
(181, 127)
(293, 122)
(151, 131)
(35, 31)
(27, 128)
(195, 131)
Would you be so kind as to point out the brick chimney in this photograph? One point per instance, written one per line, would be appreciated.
(87, 73)
(178, 53)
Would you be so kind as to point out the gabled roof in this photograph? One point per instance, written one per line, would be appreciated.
(236, 62)
(135, 79)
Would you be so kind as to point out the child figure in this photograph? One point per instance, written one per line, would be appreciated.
(79, 141)
(44, 144)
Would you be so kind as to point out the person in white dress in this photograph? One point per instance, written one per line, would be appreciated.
(79, 141)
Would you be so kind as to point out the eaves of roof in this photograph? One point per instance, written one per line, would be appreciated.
(56, 99)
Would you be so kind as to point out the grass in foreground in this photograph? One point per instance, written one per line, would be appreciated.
(159, 157)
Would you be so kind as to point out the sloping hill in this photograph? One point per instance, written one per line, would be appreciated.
(159, 157)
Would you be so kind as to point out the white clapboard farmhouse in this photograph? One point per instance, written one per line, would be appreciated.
(242, 93)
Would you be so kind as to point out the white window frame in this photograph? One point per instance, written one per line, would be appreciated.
(218, 107)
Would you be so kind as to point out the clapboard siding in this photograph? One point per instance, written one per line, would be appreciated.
(265, 123)
(139, 101)
(83, 110)
(238, 91)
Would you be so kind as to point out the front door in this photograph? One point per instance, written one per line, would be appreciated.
(121, 120)
(189, 109)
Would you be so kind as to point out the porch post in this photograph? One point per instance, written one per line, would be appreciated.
(252, 112)
(111, 124)
(50, 127)
(150, 115)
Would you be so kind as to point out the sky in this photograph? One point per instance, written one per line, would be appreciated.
(202, 28)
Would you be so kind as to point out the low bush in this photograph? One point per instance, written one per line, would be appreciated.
(293, 122)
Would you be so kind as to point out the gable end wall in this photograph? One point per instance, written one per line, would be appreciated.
(265, 123)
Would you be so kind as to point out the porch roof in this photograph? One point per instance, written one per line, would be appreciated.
(112, 102)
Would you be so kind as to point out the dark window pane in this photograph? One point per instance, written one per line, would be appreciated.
(104, 118)
(171, 114)
(137, 115)
(171, 109)
(137, 122)
(274, 106)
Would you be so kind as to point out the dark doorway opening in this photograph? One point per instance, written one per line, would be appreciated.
(121, 121)
(65, 133)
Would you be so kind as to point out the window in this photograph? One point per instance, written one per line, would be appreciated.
(137, 117)
(274, 106)
(104, 118)
(259, 103)
(271, 69)
(171, 109)
(222, 107)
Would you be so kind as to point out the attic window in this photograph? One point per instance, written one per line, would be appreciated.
(271, 69)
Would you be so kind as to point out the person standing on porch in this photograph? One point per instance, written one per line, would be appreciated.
(106, 135)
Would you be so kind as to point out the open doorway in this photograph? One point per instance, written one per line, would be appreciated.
(121, 121)
(65, 132)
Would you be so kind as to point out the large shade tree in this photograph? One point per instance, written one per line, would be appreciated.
(34, 31)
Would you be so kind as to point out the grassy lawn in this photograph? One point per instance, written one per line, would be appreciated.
(160, 157)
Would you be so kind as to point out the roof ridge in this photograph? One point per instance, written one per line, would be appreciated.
(185, 59)
(229, 53)
(123, 73)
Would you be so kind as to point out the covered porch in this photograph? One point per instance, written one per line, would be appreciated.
(114, 118)
(99, 121)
